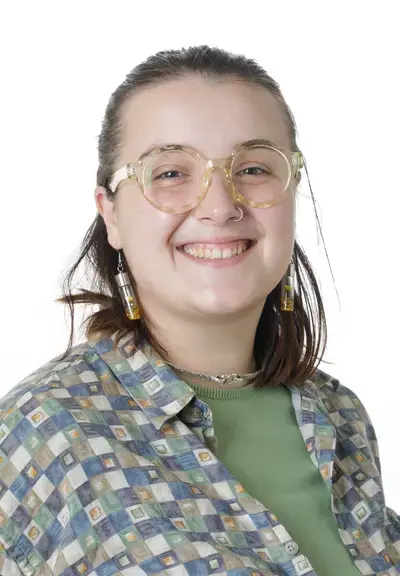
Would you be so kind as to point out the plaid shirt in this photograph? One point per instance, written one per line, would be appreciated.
(107, 468)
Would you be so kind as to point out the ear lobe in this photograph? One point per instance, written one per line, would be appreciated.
(107, 210)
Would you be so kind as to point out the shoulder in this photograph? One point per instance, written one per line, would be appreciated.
(346, 412)
(36, 435)
(47, 377)
(33, 410)
(333, 394)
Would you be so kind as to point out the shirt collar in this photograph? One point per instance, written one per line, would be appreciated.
(148, 379)
(161, 394)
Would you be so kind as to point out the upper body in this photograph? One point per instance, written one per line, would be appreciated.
(107, 468)
(193, 433)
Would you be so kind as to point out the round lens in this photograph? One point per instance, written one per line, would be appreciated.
(172, 180)
(260, 175)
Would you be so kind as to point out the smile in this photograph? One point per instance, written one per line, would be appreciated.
(224, 251)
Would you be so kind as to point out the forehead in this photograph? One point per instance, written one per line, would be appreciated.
(209, 115)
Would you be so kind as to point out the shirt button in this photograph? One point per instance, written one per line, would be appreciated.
(292, 548)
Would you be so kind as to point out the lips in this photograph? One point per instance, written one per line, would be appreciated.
(216, 251)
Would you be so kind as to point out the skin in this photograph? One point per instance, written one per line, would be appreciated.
(204, 316)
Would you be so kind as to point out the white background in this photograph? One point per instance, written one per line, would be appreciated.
(338, 67)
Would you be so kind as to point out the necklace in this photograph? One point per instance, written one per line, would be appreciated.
(221, 379)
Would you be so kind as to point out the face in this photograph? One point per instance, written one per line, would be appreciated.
(160, 248)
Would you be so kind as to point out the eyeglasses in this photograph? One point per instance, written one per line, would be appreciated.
(175, 178)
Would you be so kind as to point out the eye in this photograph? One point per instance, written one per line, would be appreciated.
(168, 174)
(253, 171)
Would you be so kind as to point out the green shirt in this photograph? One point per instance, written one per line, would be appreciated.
(260, 443)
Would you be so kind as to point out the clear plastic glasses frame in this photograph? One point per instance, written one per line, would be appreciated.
(136, 171)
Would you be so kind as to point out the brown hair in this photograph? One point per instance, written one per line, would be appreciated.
(288, 346)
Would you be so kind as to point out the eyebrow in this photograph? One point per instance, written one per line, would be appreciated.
(157, 144)
(162, 143)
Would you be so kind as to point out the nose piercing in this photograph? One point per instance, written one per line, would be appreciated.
(241, 214)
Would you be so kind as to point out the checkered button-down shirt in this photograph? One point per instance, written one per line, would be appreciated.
(108, 467)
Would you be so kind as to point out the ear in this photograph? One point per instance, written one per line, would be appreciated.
(108, 212)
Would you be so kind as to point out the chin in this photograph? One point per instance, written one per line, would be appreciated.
(226, 303)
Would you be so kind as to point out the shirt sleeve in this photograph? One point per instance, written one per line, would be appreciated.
(371, 438)
(7, 565)
(347, 401)
(33, 486)
(394, 518)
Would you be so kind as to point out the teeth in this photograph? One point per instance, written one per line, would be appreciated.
(216, 253)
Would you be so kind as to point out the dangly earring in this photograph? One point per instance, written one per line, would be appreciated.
(126, 291)
(287, 290)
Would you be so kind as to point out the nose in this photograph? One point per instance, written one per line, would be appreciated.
(218, 205)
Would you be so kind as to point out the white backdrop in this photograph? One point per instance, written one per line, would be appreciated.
(338, 68)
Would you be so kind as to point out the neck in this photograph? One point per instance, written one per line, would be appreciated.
(214, 347)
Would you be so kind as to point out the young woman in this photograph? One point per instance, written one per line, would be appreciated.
(193, 433)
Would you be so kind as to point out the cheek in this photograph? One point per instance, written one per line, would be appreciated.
(278, 226)
(144, 232)
(138, 221)
(278, 220)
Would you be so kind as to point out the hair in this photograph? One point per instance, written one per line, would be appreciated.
(288, 346)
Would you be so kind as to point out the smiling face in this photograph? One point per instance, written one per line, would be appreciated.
(204, 261)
